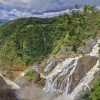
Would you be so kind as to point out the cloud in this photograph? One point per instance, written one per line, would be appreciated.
(27, 8)
(3, 14)
(45, 5)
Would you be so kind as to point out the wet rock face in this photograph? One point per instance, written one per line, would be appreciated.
(84, 64)
(50, 64)
(2, 83)
(6, 93)
(74, 73)
(88, 47)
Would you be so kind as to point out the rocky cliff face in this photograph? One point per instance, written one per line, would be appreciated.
(7, 89)
(71, 75)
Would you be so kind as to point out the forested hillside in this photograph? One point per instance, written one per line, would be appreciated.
(26, 41)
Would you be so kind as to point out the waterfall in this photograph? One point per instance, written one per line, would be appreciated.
(48, 66)
(60, 78)
(95, 50)
(61, 69)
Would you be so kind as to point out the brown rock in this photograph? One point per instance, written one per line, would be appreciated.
(6, 93)
(85, 63)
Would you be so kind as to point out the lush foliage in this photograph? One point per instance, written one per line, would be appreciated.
(30, 75)
(27, 41)
(95, 92)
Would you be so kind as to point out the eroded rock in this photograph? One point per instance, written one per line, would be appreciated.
(6, 93)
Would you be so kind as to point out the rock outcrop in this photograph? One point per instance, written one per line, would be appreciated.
(7, 89)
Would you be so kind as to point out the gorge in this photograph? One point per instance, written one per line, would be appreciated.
(54, 58)
(70, 77)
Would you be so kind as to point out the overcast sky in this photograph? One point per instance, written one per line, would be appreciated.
(25, 8)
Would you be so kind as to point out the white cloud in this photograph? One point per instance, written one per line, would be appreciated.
(3, 14)
(27, 8)
(45, 5)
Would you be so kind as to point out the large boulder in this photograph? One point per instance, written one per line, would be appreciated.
(84, 64)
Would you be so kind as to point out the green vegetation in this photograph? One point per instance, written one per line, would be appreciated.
(95, 92)
(26, 41)
(30, 75)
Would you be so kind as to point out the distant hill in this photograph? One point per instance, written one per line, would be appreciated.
(3, 20)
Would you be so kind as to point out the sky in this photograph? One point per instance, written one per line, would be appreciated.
(11, 9)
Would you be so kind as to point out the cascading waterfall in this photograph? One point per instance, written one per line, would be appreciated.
(48, 66)
(67, 66)
(66, 70)
(83, 84)
(95, 50)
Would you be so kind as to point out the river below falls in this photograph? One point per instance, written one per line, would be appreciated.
(31, 91)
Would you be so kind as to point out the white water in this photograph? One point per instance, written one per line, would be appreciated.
(82, 85)
(48, 66)
(68, 67)
(61, 69)
(95, 50)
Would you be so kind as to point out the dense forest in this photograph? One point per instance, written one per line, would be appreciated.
(30, 40)
(26, 41)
